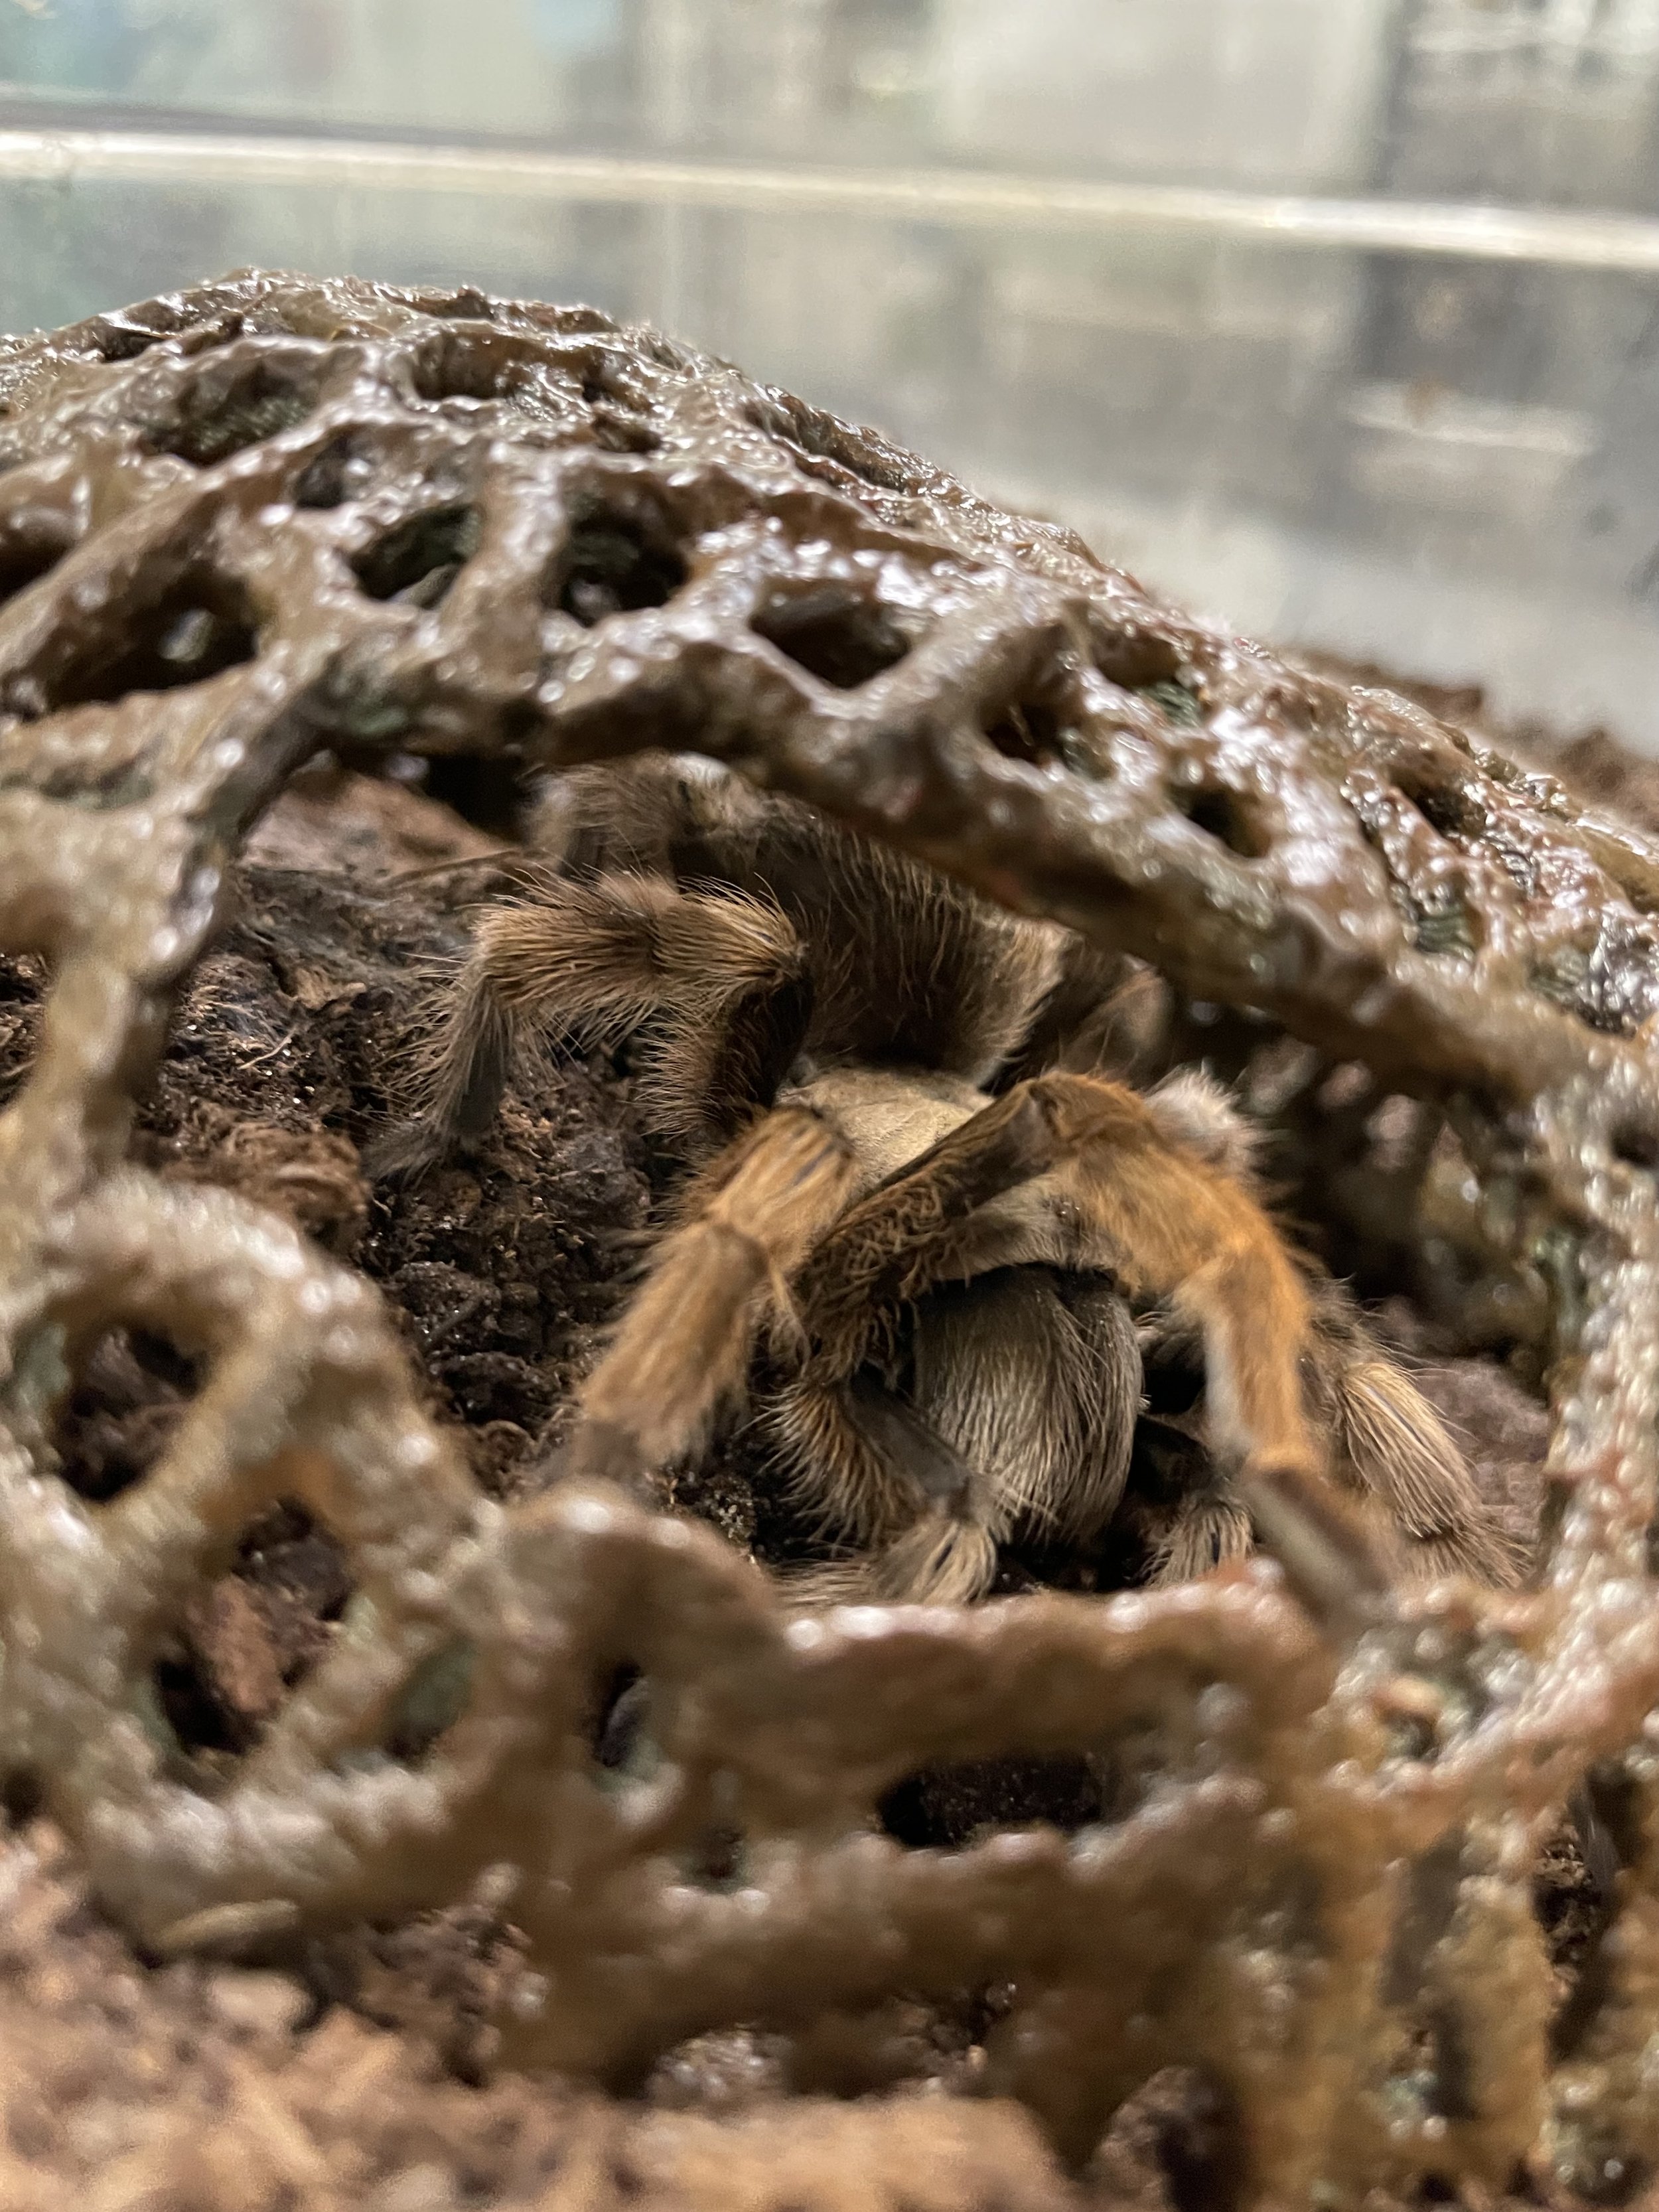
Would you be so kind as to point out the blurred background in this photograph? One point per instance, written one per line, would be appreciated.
(1339, 319)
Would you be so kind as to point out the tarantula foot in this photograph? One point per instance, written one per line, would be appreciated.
(406, 1153)
(940, 1560)
(1325, 1551)
(944, 1560)
(1207, 1532)
(601, 1451)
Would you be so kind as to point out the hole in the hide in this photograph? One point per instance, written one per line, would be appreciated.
(1137, 661)
(458, 365)
(1178, 704)
(1615, 1797)
(1611, 987)
(466, 304)
(203, 625)
(217, 416)
(951, 1807)
(490, 794)
(1087, 752)
(834, 634)
(20, 1024)
(1602, 2173)
(616, 413)
(1562, 977)
(119, 779)
(31, 546)
(1448, 811)
(716, 1860)
(724, 2070)
(124, 337)
(22, 978)
(248, 1638)
(129, 1392)
(1573, 1910)
(1449, 2072)
(198, 1721)
(604, 387)
(624, 1750)
(614, 564)
(1130, 2156)
(343, 470)
(1028, 730)
(300, 1569)
(1444, 928)
(431, 1701)
(1191, 2127)
(417, 561)
(1225, 816)
(22, 1797)
(1637, 1145)
(617, 1713)
(617, 434)
(115, 338)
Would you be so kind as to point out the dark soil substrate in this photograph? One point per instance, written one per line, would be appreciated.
(197, 2089)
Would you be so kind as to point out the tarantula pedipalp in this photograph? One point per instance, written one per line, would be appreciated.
(914, 1191)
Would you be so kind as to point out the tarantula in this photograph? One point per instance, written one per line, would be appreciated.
(931, 1235)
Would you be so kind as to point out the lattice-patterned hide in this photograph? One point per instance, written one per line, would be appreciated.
(271, 515)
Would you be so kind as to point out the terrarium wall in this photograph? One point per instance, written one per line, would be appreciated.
(1329, 433)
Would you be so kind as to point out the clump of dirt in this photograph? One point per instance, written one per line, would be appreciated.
(292, 1050)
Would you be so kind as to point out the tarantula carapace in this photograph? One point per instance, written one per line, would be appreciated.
(922, 1229)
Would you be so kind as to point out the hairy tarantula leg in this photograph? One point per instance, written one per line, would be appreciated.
(463, 1083)
(1208, 1529)
(1177, 1228)
(683, 1343)
(593, 960)
(1393, 1453)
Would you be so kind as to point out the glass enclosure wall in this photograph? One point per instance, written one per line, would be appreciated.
(1273, 373)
